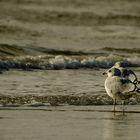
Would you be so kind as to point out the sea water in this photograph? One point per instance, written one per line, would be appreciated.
(74, 79)
(52, 56)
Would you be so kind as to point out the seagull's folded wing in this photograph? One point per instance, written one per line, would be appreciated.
(126, 85)
(132, 76)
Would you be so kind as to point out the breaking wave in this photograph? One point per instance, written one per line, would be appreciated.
(27, 58)
(52, 62)
(55, 100)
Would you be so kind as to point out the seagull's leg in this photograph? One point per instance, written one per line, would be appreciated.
(114, 103)
(123, 103)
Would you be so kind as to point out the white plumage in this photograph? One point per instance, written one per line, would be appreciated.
(117, 87)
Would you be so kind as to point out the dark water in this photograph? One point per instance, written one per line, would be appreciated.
(53, 52)
(55, 87)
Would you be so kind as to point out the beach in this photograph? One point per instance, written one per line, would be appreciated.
(52, 57)
(69, 122)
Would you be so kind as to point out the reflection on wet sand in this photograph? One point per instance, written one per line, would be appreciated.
(71, 124)
(118, 126)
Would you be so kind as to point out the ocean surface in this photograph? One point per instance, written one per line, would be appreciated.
(64, 79)
(54, 52)
(52, 56)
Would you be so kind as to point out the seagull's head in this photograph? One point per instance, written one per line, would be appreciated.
(112, 72)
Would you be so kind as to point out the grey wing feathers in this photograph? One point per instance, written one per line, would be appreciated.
(127, 85)
(127, 73)
(118, 84)
(132, 76)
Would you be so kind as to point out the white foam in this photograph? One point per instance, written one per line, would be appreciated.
(67, 62)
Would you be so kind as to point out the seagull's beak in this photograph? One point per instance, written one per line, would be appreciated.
(104, 73)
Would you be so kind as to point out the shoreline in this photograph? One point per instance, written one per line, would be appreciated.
(61, 125)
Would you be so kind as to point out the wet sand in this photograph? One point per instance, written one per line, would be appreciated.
(69, 122)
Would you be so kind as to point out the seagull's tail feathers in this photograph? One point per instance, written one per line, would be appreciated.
(136, 82)
(137, 90)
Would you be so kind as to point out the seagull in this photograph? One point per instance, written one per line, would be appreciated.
(126, 73)
(117, 87)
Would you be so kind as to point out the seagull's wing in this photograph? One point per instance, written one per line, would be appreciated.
(126, 85)
(127, 73)
(119, 88)
(118, 84)
(132, 76)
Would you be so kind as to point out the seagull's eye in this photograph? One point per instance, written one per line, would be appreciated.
(109, 71)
